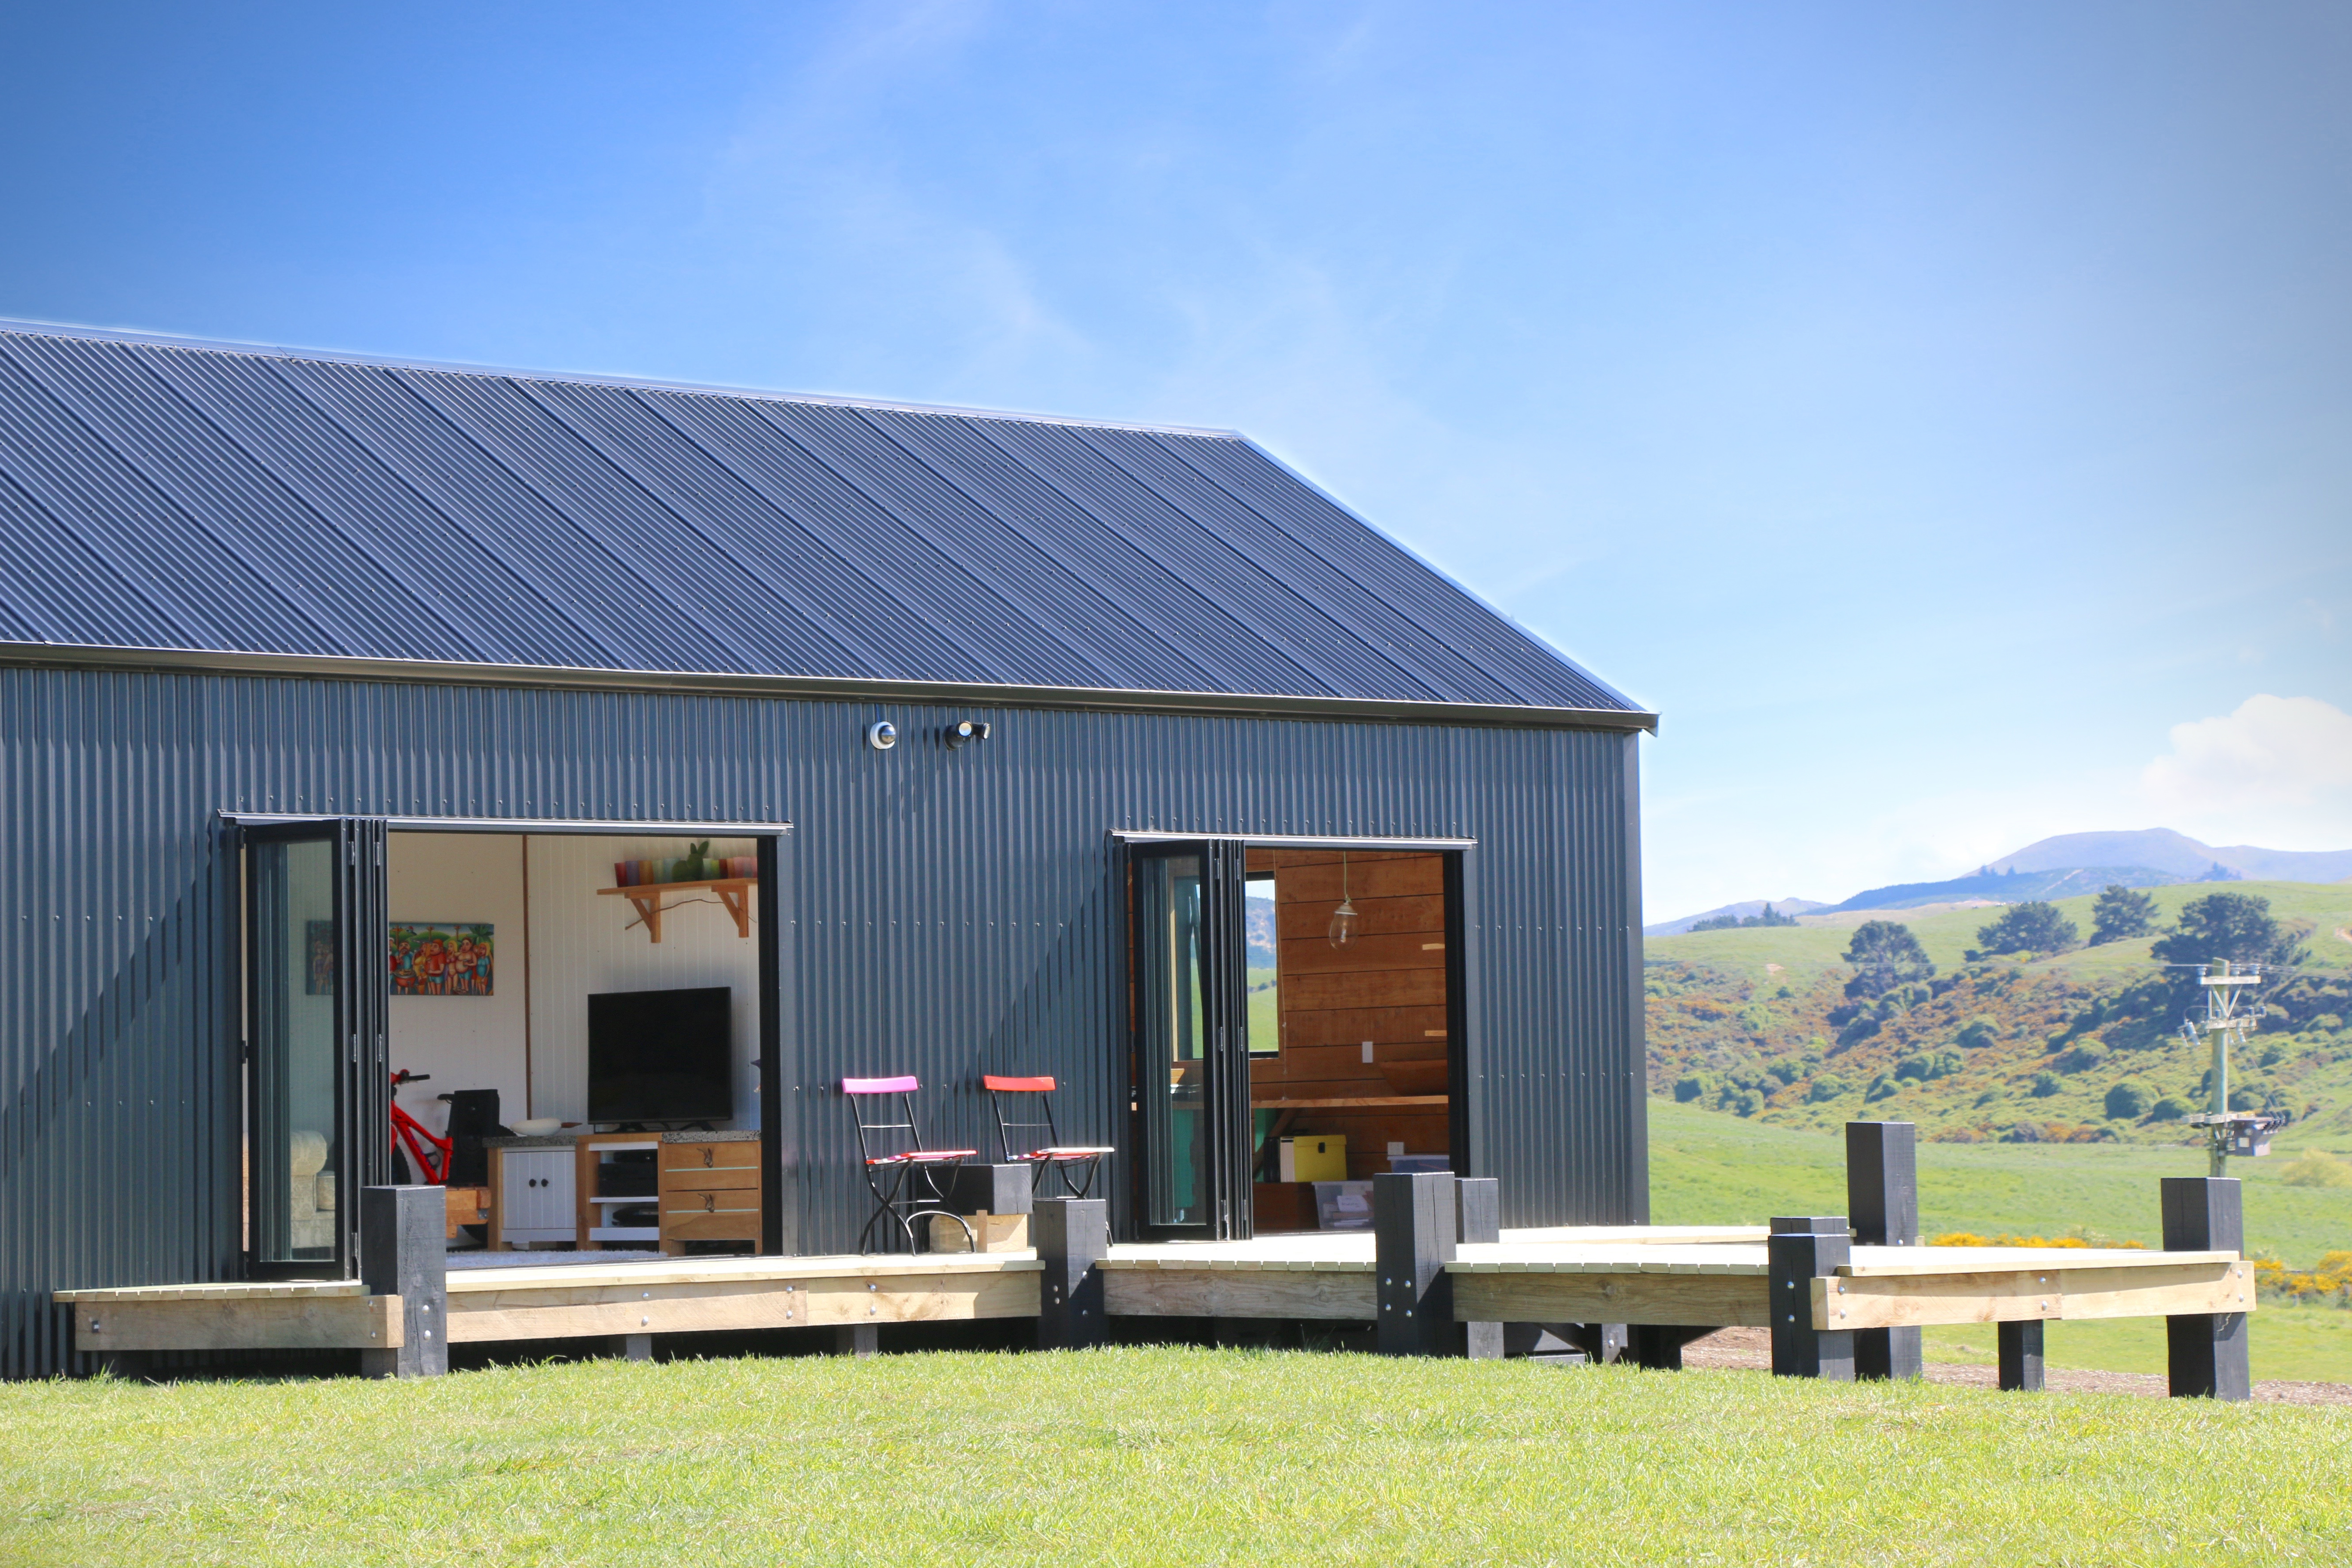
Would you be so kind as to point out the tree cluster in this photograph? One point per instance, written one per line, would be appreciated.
(1884, 954)
(2034, 927)
(2121, 914)
(1770, 917)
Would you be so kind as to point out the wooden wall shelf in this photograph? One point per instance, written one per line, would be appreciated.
(734, 893)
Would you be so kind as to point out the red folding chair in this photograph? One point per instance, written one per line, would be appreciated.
(903, 1175)
(1075, 1163)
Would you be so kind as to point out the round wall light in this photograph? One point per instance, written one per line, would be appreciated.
(882, 734)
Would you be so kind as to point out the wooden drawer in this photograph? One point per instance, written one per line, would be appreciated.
(720, 1225)
(682, 1157)
(720, 1178)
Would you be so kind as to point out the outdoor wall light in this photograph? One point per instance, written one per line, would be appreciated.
(965, 732)
(882, 734)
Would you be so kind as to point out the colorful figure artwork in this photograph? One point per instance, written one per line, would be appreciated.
(318, 953)
(451, 960)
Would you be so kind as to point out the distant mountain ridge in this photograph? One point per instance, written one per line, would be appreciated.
(2165, 850)
(2069, 864)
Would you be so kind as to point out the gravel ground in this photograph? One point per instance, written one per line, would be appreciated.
(1750, 1350)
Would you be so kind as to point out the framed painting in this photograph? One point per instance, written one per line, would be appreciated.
(452, 958)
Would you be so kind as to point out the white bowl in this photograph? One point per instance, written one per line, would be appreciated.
(538, 1126)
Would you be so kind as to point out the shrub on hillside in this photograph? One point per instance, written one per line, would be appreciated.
(1694, 1085)
(2317, 1168)
(1860, 1029)
(1928, 1065)
(2033, 927)
(1744, 1102)
(1827, 1087)
(2082, 1058)
(1881, 1088)
(2046, 1084)
(2121, 914)
(2128, 1101)
(2166, 1109)
(1977, 1033)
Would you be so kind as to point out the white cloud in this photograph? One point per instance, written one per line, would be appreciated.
(2273, 751)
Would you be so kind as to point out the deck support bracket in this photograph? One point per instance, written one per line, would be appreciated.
(2206, 1351)
(404, 1253)
(2021, 1355)
(1072, 1236)
(1802, 1249)
(1882, 1194)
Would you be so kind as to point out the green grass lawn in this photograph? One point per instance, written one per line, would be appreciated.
(1132, 1457)
(1709, 1168)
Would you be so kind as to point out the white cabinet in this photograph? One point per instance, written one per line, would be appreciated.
(535, 1198)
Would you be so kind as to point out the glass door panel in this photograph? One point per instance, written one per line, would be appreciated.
(1192, 1045)
(296, 1062)
(1173, 1002)
(318, 1090)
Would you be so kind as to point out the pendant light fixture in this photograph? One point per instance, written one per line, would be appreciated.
(1344, 918)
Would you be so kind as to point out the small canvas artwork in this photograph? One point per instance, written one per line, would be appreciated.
(318, 958)
(441, 959)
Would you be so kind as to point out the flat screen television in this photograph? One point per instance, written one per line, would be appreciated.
(661, 1055)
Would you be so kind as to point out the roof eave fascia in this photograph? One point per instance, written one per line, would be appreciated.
(817, 688)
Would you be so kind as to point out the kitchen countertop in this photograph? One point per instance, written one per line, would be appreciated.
(571, 1135)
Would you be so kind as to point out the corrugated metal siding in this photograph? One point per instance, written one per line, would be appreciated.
(159, 496)
(948, 913)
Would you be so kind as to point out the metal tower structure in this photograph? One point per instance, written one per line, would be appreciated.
(2229, 1019)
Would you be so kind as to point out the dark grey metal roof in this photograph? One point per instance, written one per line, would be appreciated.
(207, 502)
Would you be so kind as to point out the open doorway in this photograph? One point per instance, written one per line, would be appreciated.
(1350, 1031)
(561, 1029)
(1294, 1030)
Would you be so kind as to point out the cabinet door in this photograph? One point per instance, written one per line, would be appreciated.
(538, 1195)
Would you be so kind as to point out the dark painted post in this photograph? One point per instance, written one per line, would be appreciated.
(1413, 1241)
(1655, 1347)
(404, 1253)
(1073, 1237)
(2208, 1350)
(2020, 1356)
(990, 1189)
(1478, 1218)
(859, 1340)
(1882, 1196)
(1800, 1250)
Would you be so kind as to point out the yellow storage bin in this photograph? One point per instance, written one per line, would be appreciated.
(1322, 1157)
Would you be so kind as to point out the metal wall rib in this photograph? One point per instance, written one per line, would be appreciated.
(176, 496)
(951, 912)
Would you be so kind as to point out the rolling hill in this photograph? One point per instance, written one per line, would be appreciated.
(1755, 1021)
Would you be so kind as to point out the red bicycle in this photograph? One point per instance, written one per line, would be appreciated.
(428, 1155)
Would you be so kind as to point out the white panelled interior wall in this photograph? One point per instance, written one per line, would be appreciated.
(465, 1042)
(581, 943)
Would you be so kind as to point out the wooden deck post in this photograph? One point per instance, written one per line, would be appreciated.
(1478, 1216)
(2208, 1351)
(859, 1340)
(1882, 1194)
(2020, 1356)
(1799, 1251)
(1413, 1241)
(1072, 1237)
(404, 1253)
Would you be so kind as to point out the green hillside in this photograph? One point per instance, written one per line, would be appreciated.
(1755, 1021)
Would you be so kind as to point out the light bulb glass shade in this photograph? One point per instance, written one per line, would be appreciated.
(1343, 923)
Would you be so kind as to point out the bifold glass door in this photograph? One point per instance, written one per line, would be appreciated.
(1191, 1047)
(317, 1086)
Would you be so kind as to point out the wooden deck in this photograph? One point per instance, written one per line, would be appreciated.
(1667, 1276)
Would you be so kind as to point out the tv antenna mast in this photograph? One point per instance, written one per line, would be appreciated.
(2226, 1020)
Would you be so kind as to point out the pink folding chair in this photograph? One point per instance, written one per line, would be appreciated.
(1074, 1162)
(903, 1175)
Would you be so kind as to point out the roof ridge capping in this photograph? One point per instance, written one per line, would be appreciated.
(819, 687)
(590, 378)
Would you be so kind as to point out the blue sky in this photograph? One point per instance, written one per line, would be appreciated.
(1943, 418)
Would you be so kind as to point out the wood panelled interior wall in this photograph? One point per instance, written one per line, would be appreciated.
(1383, 993)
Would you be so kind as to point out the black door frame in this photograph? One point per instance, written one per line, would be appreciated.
(780, 1146)
(1225, 970)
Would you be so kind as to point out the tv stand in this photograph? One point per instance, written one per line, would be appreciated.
(709, 1188)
